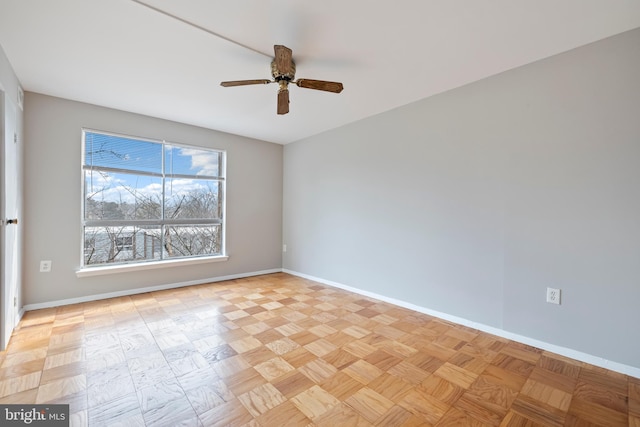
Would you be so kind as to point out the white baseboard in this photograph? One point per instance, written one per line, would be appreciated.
(126, 292)
(563, 351)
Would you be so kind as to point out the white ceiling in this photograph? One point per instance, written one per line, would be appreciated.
(166, 60)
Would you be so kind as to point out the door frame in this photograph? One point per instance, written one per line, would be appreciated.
(4, 309)
(9, 289)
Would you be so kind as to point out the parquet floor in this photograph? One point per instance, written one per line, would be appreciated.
(278, 350)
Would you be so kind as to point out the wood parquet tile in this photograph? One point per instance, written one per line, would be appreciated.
(278, 350)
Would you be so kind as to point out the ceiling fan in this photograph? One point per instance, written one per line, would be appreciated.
(283, 70)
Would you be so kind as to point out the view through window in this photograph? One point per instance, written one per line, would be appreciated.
(147, 200)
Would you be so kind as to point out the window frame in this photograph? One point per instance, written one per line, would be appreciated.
(143, 264)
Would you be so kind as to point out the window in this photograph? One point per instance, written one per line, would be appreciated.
(148, 200)
(124, 242)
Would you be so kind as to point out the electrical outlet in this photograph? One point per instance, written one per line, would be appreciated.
(553, 296)
(284, 248)
(45, 266)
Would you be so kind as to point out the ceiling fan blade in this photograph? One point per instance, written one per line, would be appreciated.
(284, 62)
(245, 82)
(283, 101)
(334, 87)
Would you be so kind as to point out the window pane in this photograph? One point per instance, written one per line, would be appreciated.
(104, 245)
(191, 161)
(192, 199)
(112, 196)
(182, 241)
(122, 153)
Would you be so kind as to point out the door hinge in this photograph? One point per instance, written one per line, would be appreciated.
(15, 138)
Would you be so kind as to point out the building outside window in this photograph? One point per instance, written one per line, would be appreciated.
(147, 200)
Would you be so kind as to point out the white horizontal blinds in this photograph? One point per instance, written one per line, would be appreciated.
(123, 178)
(117, 152)
(165, 199)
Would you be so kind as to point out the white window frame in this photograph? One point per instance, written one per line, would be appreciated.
(145, 264)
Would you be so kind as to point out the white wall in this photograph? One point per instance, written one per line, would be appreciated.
(53, 197)
(472, 202)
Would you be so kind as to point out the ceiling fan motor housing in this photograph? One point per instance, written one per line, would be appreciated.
(278, 75)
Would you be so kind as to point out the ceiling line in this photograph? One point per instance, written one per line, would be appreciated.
(206, 30)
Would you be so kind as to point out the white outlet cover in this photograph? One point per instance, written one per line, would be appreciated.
(553, 296)
(45, 266)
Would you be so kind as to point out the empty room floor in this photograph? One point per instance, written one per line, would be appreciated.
(279, 350)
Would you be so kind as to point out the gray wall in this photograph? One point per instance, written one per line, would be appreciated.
(472, 202)
(53, 196)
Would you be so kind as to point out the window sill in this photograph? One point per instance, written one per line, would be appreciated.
(124, 268)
